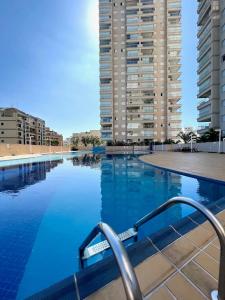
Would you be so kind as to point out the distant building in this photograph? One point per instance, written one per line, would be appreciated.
(189, 129)
(53, 138)
(18, 127)
(211, 65)
(76, 137)
(95, 133)
(67, 142)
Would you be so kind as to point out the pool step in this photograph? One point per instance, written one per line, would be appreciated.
(104, 245)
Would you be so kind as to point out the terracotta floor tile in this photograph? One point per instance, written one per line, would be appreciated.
(200, 236)
(113, 290)
(180, 251)
(213, 251)
(221, 216)
(161, 294)
(200, 278)
(216, 243)
(208, 264)
(153, 271)
(181, 288)
(209, 227)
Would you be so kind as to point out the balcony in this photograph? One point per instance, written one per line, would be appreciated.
(203, 129)
(205, 114)
(202, 10)
(203, 103)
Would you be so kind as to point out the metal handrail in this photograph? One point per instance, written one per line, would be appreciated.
(220, 294)
(130, 282)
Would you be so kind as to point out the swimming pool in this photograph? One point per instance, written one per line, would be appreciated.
(49, 204)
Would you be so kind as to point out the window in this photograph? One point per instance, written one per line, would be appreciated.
(105, 80)
(105, 26)
(105, 50)
(132, 28)
(132, 61)
(2, 124)
(105, 42)
(132, 45)
(105, 103)
(132, 12)
(2, 132)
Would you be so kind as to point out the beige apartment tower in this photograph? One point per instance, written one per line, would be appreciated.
(211, 65)
(140, 89)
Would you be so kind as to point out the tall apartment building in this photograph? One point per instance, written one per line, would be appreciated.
(211, 65)
(140, 46)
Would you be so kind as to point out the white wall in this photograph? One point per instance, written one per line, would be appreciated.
(201, 147)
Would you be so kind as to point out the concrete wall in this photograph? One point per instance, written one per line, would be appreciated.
(17, 149)
(201, 147)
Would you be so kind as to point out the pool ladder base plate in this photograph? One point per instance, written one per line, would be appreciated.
(104, 245)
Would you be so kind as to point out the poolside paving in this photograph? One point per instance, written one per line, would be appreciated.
(186, 269)
(209, 165)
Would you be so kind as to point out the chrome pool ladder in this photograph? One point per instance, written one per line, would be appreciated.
(114, 241)
(130, 282)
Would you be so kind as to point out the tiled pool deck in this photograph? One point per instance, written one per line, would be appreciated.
(208, 165)
(186, 269)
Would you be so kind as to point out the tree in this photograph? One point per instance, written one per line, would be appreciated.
(76, 141)
(210, 136)
(85, 140)
(186, 137)
(54, 143)
(95, 141)
(169, 141)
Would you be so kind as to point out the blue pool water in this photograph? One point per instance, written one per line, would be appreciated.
(49, 204)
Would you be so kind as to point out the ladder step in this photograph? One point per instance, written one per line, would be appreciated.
(104, 245)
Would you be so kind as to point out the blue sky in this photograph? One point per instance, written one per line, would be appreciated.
(49, 61)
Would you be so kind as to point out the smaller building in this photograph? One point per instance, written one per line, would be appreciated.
(189, 129)
(53, 138)
(76, 138)
(95, 133)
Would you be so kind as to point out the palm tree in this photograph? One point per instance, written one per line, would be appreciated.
(210, 136)
(186, 137)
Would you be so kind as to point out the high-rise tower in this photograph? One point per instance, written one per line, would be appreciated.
(140, 46)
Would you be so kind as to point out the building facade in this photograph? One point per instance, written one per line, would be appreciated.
(53, 138)
(140, 46)
(211, 65)
(18, 127)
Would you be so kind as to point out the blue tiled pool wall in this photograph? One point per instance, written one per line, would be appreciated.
(19, 228)
(129, 189)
